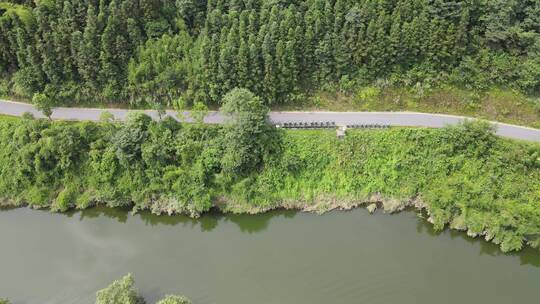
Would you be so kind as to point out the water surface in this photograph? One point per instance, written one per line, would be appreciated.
(279, 257)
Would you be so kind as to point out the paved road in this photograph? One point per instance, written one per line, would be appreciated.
(409, 119)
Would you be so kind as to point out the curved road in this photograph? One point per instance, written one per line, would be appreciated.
(406, 119)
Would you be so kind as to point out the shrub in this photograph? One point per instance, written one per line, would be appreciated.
(106, 116)
(368, 94)
(65, 200)
(529, 76)
(25, 82)
(174, 300)
(119, 292)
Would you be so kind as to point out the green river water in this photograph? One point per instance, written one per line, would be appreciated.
(279, 257)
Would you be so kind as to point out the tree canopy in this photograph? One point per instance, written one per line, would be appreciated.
(146, 51)
(122, 291)
(119, 292)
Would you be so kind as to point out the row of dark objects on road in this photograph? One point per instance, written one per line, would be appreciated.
(368, 126)
(308, 125)
(327, 125)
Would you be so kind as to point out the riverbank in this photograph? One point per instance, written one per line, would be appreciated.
(462, 176)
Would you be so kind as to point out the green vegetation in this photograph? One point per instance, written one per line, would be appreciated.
(492, 104)
(146, 52)
(464, 177)
(119, 292)
(174, 300)
(43, 103)
(122, 292)
(4, 301)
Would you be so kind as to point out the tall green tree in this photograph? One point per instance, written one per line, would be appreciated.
(246, 133)
(88, 60)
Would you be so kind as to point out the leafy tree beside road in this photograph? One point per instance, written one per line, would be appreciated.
(43, 103)
(246, 133)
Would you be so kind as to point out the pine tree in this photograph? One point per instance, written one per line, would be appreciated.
(227, 56)
(255, 66)
(74, 47)
(309, 53)
(282, 71)
(22, 41)
(324, 59)
(113, 55)
(269, 80)
(102, 15)
(214, 70)
(88, 60)
(61, 35)
(134, 33)
(46, 46)
(243, 64)
(394, 46)
(291, 62)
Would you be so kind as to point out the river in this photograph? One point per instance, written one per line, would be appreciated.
(278, 257)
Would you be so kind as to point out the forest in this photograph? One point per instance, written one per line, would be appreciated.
(175, 53)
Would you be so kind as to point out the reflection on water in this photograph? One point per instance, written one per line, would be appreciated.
(207, 222)
(339, 258)
(527, 256)
(257, 223)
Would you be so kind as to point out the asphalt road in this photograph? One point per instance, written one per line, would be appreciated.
(405, 119)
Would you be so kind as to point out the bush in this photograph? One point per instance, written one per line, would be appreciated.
(119, 292)
(123, 292)
(106, 116)
(65, 200)
(529, 76)
(368, 94)
(174, 300)
(25, 82)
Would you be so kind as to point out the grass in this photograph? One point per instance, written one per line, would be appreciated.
(8, 118)
(496, 104)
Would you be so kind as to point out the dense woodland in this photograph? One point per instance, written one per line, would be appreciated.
(175, 53)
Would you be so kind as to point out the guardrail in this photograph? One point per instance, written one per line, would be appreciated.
(327, 125)
(307, 125)
(368, 126)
